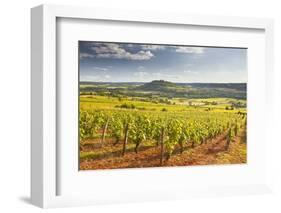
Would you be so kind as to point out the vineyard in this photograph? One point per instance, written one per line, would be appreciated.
(117, 133)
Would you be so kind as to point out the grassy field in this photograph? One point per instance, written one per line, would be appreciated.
(89, 102)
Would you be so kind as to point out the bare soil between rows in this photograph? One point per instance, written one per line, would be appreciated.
(212, 152)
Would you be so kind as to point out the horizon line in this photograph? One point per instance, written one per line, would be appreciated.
(164, 80)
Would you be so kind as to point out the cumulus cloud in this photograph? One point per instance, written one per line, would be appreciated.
(86, 55)
(179, 49)
(110, 50)
(128, 51)
(194, 50)
(152, 47)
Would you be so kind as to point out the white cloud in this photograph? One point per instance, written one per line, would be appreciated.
(152, 47)
(100, 68)
(86, 55)
(194, 50)
(111, 50)
(131, 45)
(107, 76)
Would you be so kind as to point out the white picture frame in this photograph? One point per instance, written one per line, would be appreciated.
(44, 154)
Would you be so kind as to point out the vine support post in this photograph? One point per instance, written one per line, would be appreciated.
(125, 139)
(158, 141)
(228, 139)
(104, 131)
(116, 142)
(181, 147)
(137, 147)
(192, 144)
(162, 146)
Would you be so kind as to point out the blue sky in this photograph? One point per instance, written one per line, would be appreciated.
(122, 62)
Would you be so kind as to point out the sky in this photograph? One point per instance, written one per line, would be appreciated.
(129, 62)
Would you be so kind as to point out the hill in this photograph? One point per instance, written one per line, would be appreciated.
(163, 88)
(158, 85)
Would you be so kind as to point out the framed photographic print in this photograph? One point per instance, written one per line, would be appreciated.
(148, 105)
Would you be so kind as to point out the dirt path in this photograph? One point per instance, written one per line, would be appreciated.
(213, 151)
